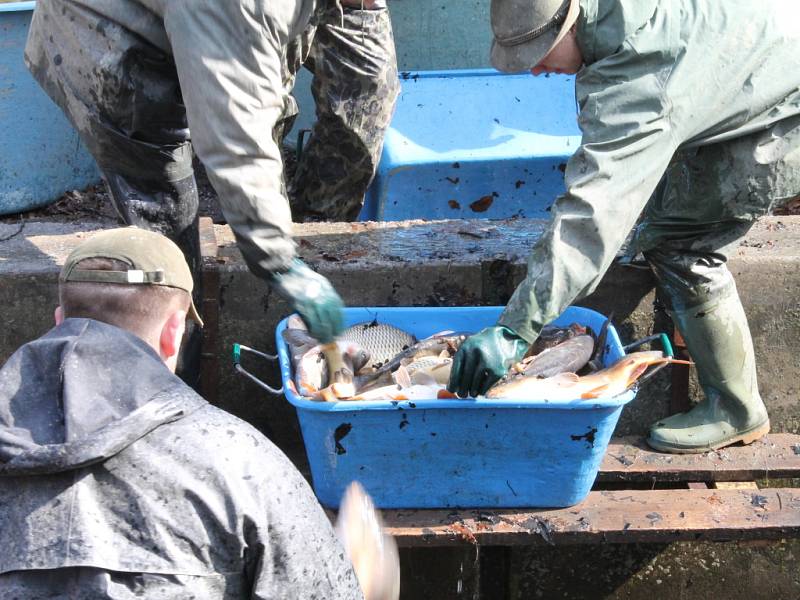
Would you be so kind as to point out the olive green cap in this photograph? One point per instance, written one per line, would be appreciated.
(526, 30)
(153, 260)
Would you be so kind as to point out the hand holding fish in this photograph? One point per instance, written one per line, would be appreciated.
(483, 359)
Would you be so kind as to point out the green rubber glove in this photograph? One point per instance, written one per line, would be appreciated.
(483, 359)
(313, 298)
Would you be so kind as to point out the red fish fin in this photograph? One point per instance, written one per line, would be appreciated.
(677, 361)
(445, 395)
(595, 393)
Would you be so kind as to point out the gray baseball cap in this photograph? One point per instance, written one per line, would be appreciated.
(153, 259)
(526, 30)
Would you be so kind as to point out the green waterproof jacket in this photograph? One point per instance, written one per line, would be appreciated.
(659, 76)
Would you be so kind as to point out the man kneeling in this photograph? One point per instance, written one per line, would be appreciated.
(119, 481)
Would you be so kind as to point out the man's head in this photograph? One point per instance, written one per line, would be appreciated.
(535, 35)
(134, 279)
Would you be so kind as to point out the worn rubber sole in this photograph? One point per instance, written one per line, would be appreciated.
(745, 437)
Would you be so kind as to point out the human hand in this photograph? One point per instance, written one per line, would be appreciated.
(312, 296)
(483, 359)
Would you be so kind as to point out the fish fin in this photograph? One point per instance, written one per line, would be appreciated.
(402, 377)
(445, 395)
(440, 334)
(423, 379)
(595, 393)
(565, 378)
(444, 354)
(327, 395)
(296, 322)
(308, 389)
(343, 390)
(398, 397)
(677, 361)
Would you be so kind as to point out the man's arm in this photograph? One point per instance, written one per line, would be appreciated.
(228, 57)
(628, 142)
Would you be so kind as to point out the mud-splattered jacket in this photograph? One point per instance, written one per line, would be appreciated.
(118, 481)
(659, 76)
(229, 57)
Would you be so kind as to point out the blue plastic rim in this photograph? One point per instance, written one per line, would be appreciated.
(457, 453)
(423, 322)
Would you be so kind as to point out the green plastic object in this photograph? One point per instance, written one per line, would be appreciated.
(237, 354)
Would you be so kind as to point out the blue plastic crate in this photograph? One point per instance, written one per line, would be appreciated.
(41, 155)
(457, 453)
(473, 144)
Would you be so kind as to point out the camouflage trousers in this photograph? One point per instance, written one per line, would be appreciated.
(351, 55)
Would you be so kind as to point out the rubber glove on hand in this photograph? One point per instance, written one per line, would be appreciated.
(483, 359)
(312, 296)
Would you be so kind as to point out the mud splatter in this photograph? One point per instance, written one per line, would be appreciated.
(339, 434)
(588, 437)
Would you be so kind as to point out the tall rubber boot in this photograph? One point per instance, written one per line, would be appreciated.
(719, 342)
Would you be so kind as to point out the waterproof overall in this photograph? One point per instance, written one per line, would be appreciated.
(117, 481)
(134, 76)
(694, 106)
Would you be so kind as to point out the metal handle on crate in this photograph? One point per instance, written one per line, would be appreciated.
(666, 346)
(237, 355)
(662, 337)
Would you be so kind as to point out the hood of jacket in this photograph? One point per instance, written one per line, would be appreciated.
(80, 394)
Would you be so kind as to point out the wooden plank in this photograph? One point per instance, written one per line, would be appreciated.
(679, 398)
(777, 456)
(697, 485)
(208, 238)
(209, 309)
(626, 516)
(735, 485)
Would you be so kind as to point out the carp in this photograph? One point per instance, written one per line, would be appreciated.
(381, 340)
(569, 356)
(606, 383)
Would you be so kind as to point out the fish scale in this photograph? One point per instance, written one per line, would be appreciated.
(382, 341)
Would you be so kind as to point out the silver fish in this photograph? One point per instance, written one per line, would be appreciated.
(567, 357)
(382, 341)
(312, 372)
(552, 335)
(428, 370)
(438, 345)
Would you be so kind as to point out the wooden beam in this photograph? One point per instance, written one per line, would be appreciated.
(626, 516)
(209, 309)
(735, 485)
(776, 456)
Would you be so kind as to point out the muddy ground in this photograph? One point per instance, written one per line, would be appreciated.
(93, 203)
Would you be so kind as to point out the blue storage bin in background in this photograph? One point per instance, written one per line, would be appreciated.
(457, 453)
(475, 144)
(41, 155)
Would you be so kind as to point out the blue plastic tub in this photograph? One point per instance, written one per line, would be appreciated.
(474, 144)
(457, 453)
(41, 156)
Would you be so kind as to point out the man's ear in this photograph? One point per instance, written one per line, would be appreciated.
(171, 334)
(58, 315)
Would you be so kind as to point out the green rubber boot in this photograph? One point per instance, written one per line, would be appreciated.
(719, 342)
